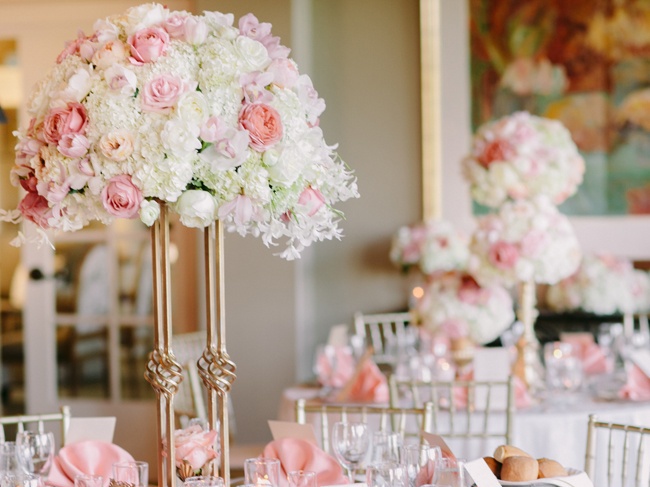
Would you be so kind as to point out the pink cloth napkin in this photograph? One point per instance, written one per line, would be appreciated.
(594, 361)
(369, 385)
(335, 366)
(637, 387)
(522, 398)
(297, 454)
(85, 458)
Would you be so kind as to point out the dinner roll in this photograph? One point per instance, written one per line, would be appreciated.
(494, 466)
(550, 468)
(519, 469)
(504, 451)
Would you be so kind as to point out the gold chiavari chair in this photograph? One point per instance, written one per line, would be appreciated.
(480, 414)
(405, 421)
(22, 421)
(382, 332)
(624, 452)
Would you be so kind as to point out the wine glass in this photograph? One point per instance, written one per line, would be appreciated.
(420, 460)
(386, 447)
(564, 373)
(35, 451)
(350, 442)
(387, 474)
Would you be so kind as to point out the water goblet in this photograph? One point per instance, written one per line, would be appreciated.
(449, 472)
(564, 374)
(350, 442)
(386, 447)
(301, 478)
(387, 474)
(420, 460)
(203, 481)
(35, 451)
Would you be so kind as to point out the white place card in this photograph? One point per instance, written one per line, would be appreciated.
(288, 429)
(481, 473)
(83, 429)
(641, 358)
(338, 336)
(492, 364)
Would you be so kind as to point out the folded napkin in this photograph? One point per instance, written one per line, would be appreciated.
(522, 397)
(85, 458)
(297, 454)
(593, 358)
(335, 366)
(637, 386)
(368, 384)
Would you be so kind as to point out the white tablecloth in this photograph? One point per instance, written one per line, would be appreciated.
(556, 432)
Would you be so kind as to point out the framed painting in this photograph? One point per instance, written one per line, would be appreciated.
(585, 63)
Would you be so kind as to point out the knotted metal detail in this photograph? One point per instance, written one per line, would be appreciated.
(217, 370)
(164, 373)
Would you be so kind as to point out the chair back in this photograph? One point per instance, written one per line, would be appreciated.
(23, 421)
(461, 408)
(405, 421)
(622, 449)
(383, 332)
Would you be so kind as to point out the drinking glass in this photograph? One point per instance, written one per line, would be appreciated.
(350, 442)
(387, 474)
(35, 451)
(564, 372)
(133, 473)
(386, 447)
(450, 472)
(88, 481)
(203, 481)
(301, 478)
(262, 471)
(420, 461)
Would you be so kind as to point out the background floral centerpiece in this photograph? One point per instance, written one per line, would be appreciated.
(525, 241)
(431, 246)
(603, 284)
(454, 304)
(212, 118)
(521, 156)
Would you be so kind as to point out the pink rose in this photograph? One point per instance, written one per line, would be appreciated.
(263, 125)
(469, 290)
(312, 199)
(497, 150)
(71, 119)
(175, 26)
(161, 93)
(72, 47)
(503, 255)
(35, 208)
(121, 198)
(73, 145)
(195, 446)
(147, 45)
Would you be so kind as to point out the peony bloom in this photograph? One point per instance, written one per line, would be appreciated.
(263, 124)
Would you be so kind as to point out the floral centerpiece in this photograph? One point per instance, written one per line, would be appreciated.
(211, 118)
(195, 451)
(603, 284)
(454, 304)
(525, 241)
(521, 156)
(432, 246)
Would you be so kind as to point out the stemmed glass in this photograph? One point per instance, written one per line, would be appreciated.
(450, 472)
(35, 451)
(350, 442)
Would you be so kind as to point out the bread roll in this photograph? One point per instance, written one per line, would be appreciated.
(494, 466)
(519, 469)
(504, 451)
(550, 468)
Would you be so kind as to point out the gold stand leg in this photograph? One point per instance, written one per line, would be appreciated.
(528, 365)
(215, 367)
(163, 372)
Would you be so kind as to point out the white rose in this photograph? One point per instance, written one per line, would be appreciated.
(197, 209)
(117, 146)
(79, 84)
(253, 53)
(192, 107)
(144, 16)
(149, 212)
(180, 137)
(288, 166)
(196, 30)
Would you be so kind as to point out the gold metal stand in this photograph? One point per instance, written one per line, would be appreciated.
(528, 365)
(216, 369)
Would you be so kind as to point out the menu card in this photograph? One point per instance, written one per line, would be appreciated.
(288, 429)
(81, 429)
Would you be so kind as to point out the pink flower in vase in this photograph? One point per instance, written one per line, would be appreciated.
(194, 447)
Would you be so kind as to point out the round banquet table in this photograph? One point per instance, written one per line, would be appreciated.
(553, 431)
